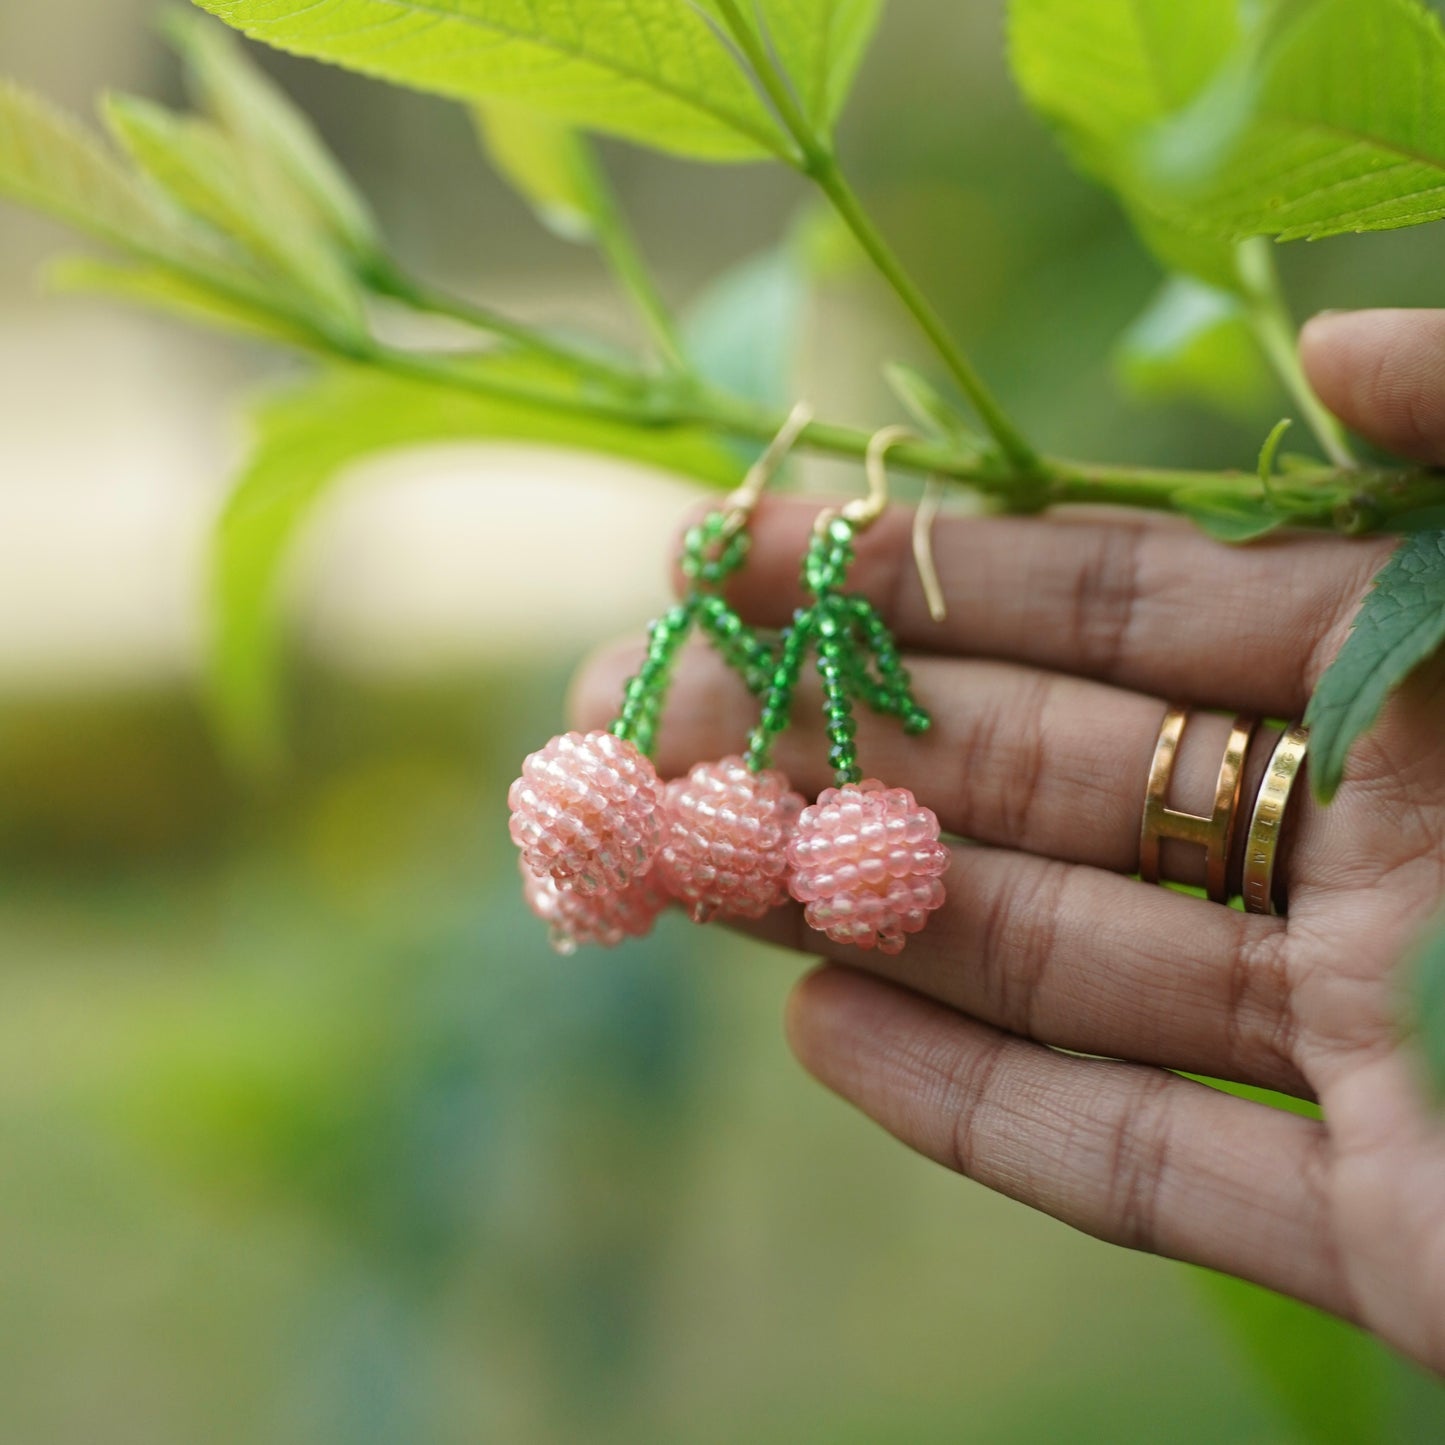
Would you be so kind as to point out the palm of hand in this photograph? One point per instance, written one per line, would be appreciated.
(1047, 686)
(1369, 874)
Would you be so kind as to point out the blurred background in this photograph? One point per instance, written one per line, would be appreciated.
(305, 1135)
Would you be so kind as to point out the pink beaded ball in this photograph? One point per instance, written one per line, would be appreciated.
(867, 861)
(725, 835)
(584, 812)
(575, 920)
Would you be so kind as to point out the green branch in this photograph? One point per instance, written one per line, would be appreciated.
(615, 240)
(1275, 330)
(844, 199)
(816, 160)
(397, 286)
(1341, 499)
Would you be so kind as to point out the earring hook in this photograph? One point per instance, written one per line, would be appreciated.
(923, 556)
(863, 512)
(742, 503)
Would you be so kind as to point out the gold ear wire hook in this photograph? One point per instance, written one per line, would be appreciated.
(867, 510)
(863, 512)
(923, 522)
(741, 504)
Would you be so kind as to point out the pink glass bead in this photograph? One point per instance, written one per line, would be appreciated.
(584, 812)
(867, 862)
(725, 835)
(575, 920)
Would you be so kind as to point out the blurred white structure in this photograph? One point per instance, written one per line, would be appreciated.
(117, 437)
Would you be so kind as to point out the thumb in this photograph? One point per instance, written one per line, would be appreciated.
(1383, 374)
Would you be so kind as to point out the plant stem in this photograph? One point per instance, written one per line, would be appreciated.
(1345, 499)
(419, 297)
(772, 81)
(850, 209)
(817, 161)
(1275, 330)
(619, 246)
(440, 371)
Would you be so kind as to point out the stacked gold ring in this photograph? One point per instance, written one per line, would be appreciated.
(1266, 825)
(1216, 832)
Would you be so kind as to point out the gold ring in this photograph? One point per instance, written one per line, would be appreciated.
(1215, 834)
(1266, 825)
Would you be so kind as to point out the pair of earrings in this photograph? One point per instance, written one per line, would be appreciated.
(606, 845)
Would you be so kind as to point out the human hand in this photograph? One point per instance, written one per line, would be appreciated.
(1047, 684)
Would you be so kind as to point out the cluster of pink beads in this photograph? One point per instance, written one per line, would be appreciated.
(606, 847)
(725, 835)
(867, 863)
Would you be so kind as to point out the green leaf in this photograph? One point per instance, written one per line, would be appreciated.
(203, 170)
(1332, 1382)
(1332, 124)
(1400, 626)
(745, 332)
(51, 163)
(1195, 342)
(158, 289)
(821, 44)
(1105, 73)
(556, 169)
(1227, 516)
(305, 439)
(259, 116)
(655, 72)
(548, 162)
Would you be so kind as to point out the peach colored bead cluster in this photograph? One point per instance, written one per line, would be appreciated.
(605, 847)
(584, 813)
(576, 920)
(725, 835)
(867, 861)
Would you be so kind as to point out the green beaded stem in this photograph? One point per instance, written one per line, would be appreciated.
(738, 645)
(893, 685)
(712, 551)
(778, 699)
(857, 661)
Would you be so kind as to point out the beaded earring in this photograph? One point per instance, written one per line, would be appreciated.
(606, 846)
(865, 860)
